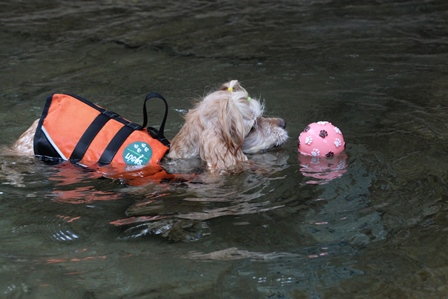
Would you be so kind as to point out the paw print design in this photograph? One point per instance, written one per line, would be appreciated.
(329, 155)
(315, 152)
(306, 129)
(308, 140)
(336, 129)
(323, 133)
(337, 142)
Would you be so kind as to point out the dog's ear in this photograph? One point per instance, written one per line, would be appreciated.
(231, 126)
(221, 142)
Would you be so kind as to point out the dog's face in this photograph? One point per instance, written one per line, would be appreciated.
(265, 134)
(223, 126)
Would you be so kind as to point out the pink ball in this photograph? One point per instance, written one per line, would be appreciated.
(321, 139)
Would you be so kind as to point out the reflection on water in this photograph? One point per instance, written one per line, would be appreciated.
(322, 168)
(178, 211)
(372, 225)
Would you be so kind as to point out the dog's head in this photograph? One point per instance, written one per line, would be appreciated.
(223, 126)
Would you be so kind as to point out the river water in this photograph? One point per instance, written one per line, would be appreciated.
(377, 228)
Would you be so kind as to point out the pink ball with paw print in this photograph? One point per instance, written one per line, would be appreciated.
(321, 139)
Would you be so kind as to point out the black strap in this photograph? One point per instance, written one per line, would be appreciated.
(157, 134)
(90, 134)
(116, 142)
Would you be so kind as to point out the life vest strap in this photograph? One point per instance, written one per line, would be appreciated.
(156, 134)
(116, 142)
(90, 134)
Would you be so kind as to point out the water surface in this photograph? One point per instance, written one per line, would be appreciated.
(376, 69)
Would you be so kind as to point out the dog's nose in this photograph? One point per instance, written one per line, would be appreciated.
(282, 123)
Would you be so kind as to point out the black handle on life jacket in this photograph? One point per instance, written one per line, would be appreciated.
(157, 134)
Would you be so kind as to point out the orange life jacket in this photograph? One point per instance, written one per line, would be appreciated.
(74, 129)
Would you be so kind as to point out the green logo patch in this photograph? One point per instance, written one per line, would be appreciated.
(137, 153)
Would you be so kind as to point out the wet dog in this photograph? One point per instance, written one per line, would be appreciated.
(221, 129)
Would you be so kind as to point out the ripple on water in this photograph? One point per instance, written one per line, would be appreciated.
(51, 228)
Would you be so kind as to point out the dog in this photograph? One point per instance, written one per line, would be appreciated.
(221, 129)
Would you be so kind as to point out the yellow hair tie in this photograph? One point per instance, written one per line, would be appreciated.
(230, 89)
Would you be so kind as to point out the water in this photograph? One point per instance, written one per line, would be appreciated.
(375, 69)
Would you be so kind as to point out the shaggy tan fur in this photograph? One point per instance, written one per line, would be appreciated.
(24, 145)
(224, 126)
